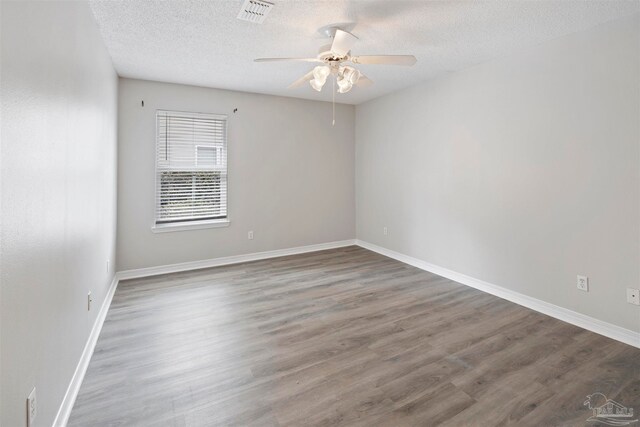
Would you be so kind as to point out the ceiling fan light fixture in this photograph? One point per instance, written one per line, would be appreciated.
(349, 73)
(317, 84)
(344, 85)
(344, 89)
(347, 77)
(321, 72)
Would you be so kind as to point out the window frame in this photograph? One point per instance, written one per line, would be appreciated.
(163, 226)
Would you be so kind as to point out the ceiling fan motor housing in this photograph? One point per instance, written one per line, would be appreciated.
(325, 54)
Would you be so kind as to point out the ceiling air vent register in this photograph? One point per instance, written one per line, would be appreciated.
(255, 11)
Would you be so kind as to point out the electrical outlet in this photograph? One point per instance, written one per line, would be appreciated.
(633, 296)
(32, 409)
(250, 235)
(89, 301)
(583, 283)
(384, 231)
(108, 266)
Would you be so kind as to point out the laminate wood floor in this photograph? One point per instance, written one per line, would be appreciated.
(340, 337)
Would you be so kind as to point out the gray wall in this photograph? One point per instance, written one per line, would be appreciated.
(522, 172)
(291, 174)
(58, 170)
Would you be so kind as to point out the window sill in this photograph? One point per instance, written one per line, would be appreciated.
(192, 225)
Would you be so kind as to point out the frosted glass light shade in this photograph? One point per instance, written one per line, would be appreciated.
(351, 74)
(321, 72)
(317, 84)
(344, 85)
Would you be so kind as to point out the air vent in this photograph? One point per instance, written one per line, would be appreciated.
(255, 11)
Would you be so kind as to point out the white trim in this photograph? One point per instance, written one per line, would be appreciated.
(192, 225)
(594, 325)
(62, 417)
(235, 259)
(603, 328)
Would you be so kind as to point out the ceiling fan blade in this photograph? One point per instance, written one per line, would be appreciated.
(342, 42)
(302, 80)
(364, 81)
(384, 59)
(288, 59)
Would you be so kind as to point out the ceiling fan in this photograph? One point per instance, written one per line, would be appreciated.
(333, 56)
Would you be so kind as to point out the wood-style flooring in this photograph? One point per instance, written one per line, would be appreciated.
(340, 337)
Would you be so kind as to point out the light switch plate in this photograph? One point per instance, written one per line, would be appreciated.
(32, 409)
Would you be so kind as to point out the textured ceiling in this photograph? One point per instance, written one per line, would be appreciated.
(202, 43)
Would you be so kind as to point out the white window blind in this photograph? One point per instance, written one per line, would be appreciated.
(191, 167)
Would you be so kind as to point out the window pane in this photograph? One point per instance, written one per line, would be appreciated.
(191, 196)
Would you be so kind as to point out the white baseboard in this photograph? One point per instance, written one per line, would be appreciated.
(236, 259)
(581, 320)
(62, 417)
(594, 325)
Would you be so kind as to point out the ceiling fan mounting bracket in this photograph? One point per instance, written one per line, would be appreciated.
(330, 32)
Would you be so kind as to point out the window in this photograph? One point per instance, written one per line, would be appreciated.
(191, 169)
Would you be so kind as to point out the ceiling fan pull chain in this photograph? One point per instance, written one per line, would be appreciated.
(333, 94)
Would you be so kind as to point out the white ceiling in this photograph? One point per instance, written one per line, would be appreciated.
(202, 43)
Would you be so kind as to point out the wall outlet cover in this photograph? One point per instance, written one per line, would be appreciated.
(633, 296)
(250, 235)
(583, 283)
